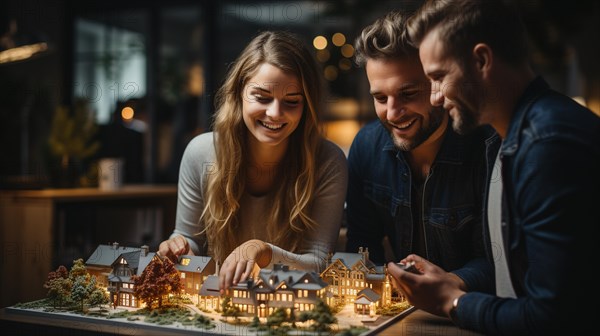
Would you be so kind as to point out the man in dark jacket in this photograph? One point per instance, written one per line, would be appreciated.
(412, 178)
(542, 218)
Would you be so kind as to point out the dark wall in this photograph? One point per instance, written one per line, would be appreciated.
(30, 89)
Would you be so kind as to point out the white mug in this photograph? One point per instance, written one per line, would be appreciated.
(111, 173)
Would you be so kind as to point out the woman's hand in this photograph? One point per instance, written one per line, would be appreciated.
(240, 264)
(174, 247)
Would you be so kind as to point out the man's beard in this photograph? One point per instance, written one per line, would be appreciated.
(465, 123)
(436, 118)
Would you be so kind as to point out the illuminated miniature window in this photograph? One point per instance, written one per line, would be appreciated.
(283, 287)
(343, 291)
(197, 286)
(305, 293)
(278, 297)
(299, 293)
(289, 297)
(235, 293)
(123, 261)
(348, 283)
(271, 296)
(185, 261)
(283, 297)
(305, 280)
(189, 285)
(182, 275)
(271, 281)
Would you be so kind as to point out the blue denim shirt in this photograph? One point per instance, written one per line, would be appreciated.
(551, 172)
(379, 202)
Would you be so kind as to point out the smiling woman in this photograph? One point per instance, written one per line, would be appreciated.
(265, 187)
(272, 108)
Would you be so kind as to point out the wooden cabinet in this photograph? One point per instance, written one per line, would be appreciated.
(41, 229)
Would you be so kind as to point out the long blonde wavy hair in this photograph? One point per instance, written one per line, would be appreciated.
(289, 215)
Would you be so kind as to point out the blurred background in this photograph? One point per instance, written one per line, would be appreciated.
(145, 73)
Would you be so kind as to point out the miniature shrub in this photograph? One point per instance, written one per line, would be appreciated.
(393, 309)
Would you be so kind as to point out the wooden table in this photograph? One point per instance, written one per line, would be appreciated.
(421, 323)
(37, 226)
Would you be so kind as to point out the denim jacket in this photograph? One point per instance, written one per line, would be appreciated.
(551, 173)
(379, 202)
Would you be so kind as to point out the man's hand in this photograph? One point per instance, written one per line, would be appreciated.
(433, 290)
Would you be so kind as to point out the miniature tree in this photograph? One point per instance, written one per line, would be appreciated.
(277, 318)
(321, 315)
(255, 323)
(83, 283)
(98, 296)
(159, 279)
(78, 269)
(58, 285)
(228, 309)
(82, 288)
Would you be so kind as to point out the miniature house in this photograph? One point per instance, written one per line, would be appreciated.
(210, 296)
(354, 278)
(114, 266)
(280, 287)
(293, 290)
(194, 270)
(100, 263)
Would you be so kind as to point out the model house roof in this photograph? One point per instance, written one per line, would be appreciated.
(189, 263)
(351, 260)
(105, 255)
(295, 279)
(210, 287)
(270, 280)
(143, 262)
(367, 294)
(132, 259)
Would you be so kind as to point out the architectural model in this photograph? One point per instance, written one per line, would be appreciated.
(134, 278)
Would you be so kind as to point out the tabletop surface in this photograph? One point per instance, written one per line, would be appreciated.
(415, 323)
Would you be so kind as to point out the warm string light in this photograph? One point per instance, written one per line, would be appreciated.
(331, 71)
